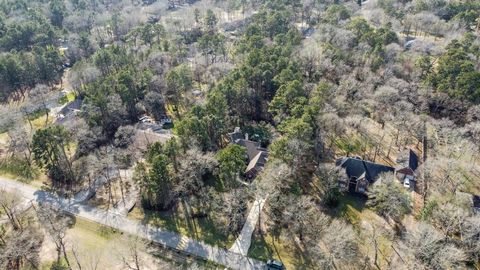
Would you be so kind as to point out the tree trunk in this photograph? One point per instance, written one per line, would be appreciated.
(76, 259)
(64, 250)
(121, 188)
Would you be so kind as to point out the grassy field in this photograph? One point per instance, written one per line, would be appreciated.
(69, 97)
(42, 121)
(104, 247)
(351, 208)
(201, 228)
(3, 137)
(90, 239)
(104, 240)
(266, 248)
(93, 235)
(38, 179)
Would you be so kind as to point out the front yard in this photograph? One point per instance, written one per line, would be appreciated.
(266, 248)
(174, 220)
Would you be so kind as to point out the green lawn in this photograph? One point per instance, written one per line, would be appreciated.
(42, 121)
(37, 114)
(350, 207)
(17, 168)
(92, 237)
(91, 234)
(69, 97)
(266, 248)
(3, 137)
(199, 228)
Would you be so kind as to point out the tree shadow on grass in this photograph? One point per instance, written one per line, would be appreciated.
(348, 200)
(260, 249)
(199, 228)
(264, 248)
(300, 258)
(167, 219)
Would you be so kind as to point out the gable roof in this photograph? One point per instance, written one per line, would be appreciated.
(355, 167)
(258, 161)
(406, 171)
(253, 148)
(257, 156)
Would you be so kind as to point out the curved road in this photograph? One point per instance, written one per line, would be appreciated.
(155, 234)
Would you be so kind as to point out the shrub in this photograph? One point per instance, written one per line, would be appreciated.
(18, 167)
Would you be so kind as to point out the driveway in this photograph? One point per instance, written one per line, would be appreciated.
(244, 240)
(155, 234)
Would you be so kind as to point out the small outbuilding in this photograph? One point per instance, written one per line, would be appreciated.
(407, 166)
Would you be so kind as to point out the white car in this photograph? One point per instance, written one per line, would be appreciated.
(406, 183)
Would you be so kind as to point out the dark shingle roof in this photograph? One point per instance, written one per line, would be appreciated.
(412, 160)
(258, 161)
(355, 167)
(257, 156)
(476, 201)
(253, 148)
(236, 135)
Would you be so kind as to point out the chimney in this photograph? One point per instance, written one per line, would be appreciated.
(246, 136)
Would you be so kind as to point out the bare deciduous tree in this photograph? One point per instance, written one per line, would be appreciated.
(388, 198)
(430, 248)
(338, 247)
(56, 225)
(20, 237)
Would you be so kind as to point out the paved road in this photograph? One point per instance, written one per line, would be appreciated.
(244, 240)
(157, 235)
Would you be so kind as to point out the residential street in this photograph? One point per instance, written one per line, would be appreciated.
(157, 235)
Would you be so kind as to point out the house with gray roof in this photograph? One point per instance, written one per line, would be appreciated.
(257, 156)
(361, 173)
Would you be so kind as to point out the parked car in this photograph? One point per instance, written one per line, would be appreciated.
(274, 265)
(406, 183)
(166, 120)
